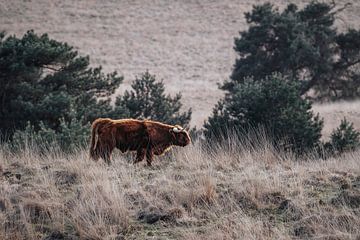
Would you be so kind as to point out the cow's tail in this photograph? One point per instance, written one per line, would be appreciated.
(94, 148)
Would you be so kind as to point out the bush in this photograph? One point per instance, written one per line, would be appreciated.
(147, 100)
(345, 137)
(274, 103)
(70, 136)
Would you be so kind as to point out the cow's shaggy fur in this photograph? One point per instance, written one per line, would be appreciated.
(147, 138)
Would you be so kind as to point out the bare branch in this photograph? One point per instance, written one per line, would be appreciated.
(339, 9)
(347, 65)
(52, 68)
(332, 4)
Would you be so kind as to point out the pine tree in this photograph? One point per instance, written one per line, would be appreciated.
(44, 81)
(301, 44)
(147, 100)
(273, 103)
(345, 137)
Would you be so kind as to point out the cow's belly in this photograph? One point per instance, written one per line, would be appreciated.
(161, 150)
(124, 147)
(133, 145)
(130, 139)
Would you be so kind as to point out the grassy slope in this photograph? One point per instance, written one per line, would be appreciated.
(240, 193)
(230, 192)
(186, 43)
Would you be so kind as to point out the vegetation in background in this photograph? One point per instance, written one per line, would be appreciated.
(344, 138)
(282, 56)
(147, 100)
(45, 82)
(49, 93)
(302, 44)
(70, 136)
(274, 103)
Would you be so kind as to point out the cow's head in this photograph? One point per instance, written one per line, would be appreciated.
(181, 136)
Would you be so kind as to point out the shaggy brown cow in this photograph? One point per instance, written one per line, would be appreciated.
(147, 138)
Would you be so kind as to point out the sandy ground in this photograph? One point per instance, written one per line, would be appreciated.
(335, 112)
(188, 44)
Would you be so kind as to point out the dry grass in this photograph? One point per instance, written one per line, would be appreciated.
(229, 192)
(187, 43)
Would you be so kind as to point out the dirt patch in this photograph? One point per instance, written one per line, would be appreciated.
(274, 198)
(350, 198)
(137, 199)
(317, 181)
(4, 204)
(65, 178)
(36, 212)
(356, 182)
(57, 235)
(345, 180)
(17, 173)
(304, 231)
(346, 222)
(152, 216)
(168, 197)
(329, 225)
(290, 211)
(245, 202)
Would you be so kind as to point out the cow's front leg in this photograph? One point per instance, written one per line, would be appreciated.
(149, 156)
(140, 155)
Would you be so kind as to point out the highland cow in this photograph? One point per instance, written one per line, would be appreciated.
(147, 138)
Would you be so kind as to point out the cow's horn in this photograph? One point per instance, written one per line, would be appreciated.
(177, 130)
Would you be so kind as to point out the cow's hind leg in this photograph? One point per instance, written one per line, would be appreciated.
(140, 155)
(149, 156)
(106, 153)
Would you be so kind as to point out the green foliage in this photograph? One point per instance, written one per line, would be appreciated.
(345, 137)
(147, 100)
(70, 136)
(273, 103)
(49, 94)
(301, 44)
(43, 81)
